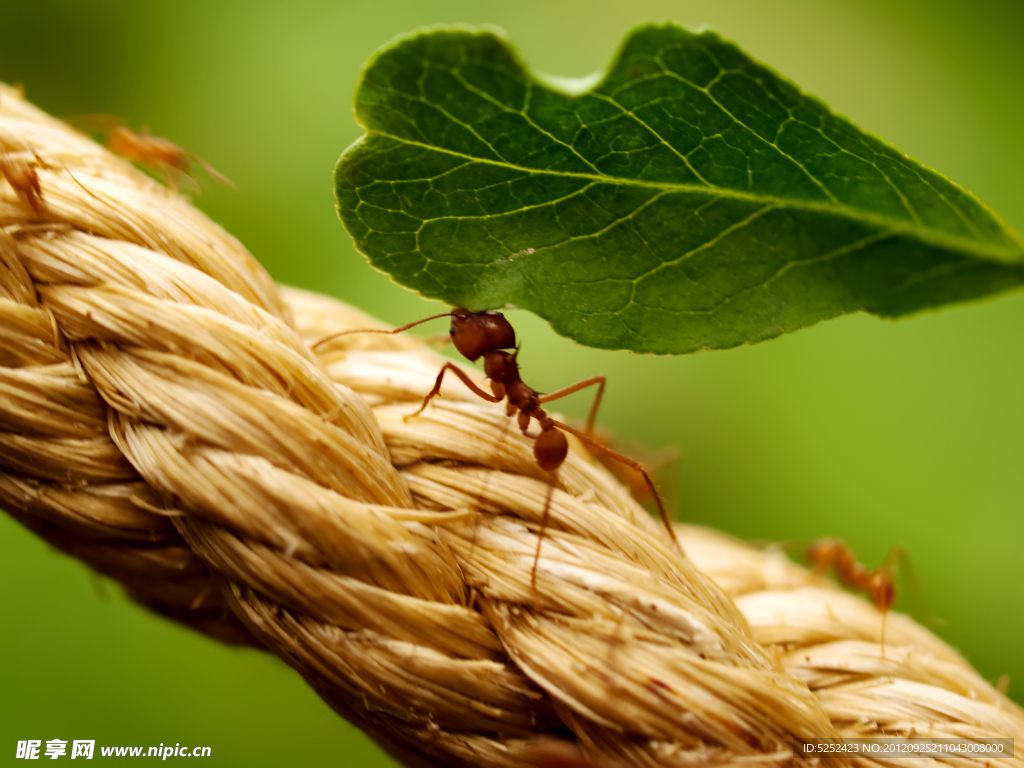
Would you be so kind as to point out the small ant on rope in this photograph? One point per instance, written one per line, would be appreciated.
(157, 153)
(878, 584)
(489, 335)
(160, 153)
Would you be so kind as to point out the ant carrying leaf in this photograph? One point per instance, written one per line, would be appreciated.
(490, 336)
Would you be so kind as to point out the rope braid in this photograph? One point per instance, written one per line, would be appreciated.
(163, 419)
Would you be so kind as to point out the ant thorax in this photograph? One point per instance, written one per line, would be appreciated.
(501, 367)
(525, 399)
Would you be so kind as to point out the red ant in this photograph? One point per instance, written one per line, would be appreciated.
(878, 585)
(159, 154)
(489, 335)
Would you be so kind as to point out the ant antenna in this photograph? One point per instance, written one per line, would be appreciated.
(334, 336)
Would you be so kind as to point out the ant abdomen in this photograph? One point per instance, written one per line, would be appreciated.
(550, 449)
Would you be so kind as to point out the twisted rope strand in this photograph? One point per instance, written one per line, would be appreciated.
(163, 418)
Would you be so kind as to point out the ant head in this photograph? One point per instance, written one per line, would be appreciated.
(824, 551)
(550, 448)
(881, 590)
(474, 333)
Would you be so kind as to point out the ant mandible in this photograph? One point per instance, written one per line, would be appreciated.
(490, 336)
(878, 584)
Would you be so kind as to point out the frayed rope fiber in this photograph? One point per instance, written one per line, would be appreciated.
(165, 421)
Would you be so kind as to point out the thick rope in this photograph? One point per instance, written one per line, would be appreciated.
(165, 421)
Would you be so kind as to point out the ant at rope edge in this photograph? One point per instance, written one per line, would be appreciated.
(490, 336)
(878, 586)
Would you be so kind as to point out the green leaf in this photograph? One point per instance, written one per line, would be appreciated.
(688, 198)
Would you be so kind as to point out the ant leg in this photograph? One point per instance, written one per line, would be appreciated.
(480, 496)
(543, 529)
(885, 614)
(898, 554)
(465, 380)
(636, 465)
(599, 380)
(333, 336)
(171, 176)
(214, 174)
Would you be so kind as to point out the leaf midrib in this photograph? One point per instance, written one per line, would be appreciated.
(894, 227)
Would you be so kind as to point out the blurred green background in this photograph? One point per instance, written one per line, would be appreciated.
(873, 431)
